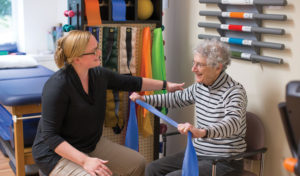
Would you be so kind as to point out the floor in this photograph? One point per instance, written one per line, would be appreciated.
(5, 169)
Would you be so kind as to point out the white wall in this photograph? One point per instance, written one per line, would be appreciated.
(265, 83)
(178, 36)
(36, 18)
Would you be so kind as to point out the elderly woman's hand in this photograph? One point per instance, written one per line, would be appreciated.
(135, 96)
(171, 87)
(183, 128)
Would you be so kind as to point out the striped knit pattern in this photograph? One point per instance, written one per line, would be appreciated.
(220, 109)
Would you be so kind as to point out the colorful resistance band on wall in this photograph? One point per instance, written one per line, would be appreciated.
(190, 162)
(144, 116)
(92, 11)
(118, 10)
(158, 60)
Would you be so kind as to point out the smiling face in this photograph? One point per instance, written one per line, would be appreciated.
(205, 74)
(91, 57)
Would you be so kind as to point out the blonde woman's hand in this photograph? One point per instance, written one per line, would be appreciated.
(96, 167)
(172, 87)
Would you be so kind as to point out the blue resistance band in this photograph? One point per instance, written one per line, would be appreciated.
(118, 10)
(190, 162)
(132, 134)
(157, 113)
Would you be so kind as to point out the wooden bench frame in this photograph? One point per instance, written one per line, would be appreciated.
(23, 155)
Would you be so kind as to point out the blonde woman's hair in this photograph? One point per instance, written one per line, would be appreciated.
(71, 46)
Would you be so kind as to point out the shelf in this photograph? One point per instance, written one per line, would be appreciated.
(106, 10)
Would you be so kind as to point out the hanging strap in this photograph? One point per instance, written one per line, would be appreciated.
(94, 31)
(110, 48)
(109, 45)
(117, 129)
(128, 47)
(127, 50)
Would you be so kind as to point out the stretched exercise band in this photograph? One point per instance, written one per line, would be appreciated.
(190, 162)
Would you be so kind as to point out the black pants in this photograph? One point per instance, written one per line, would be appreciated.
(172, 165)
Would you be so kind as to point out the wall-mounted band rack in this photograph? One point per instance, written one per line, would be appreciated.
(241, 27)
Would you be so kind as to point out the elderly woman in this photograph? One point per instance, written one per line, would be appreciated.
(220, 113)
(69, 137)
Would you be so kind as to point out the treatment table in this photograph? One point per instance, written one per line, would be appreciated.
(20, 99)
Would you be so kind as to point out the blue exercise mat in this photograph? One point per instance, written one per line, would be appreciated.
(21, 91)
(19, 73)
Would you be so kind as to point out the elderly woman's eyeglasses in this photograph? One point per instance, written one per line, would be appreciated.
(91, 53)
(198, 64)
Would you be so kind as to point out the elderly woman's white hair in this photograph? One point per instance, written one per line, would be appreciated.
(214, 52)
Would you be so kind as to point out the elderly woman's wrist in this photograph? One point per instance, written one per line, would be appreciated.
(205, 133)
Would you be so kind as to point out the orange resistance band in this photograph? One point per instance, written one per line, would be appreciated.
(146, 70)
(92, 10)
(146, 66)
(237, 14)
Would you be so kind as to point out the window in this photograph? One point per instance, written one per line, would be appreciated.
(6, 22)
